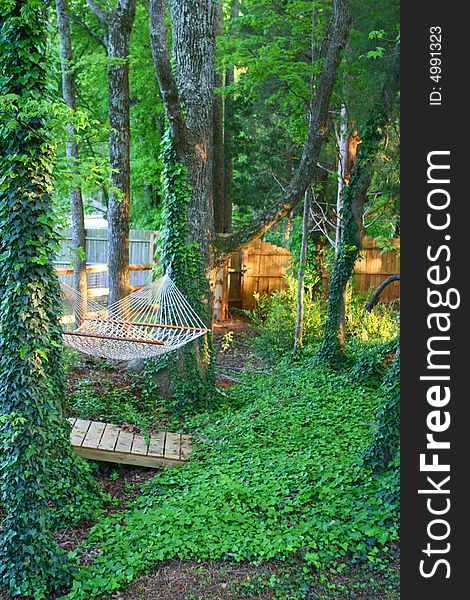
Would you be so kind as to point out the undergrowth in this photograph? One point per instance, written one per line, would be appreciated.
(278, 472)
(275, 317)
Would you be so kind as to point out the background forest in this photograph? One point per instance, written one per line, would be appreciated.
(216, 123)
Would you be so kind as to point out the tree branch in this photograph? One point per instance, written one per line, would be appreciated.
(102, 15)
(98, 39)
(375, 295)
(164, 72)
(224, 246)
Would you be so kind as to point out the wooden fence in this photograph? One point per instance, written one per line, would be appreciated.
(375, 266)
(141, 251)
(261, 268)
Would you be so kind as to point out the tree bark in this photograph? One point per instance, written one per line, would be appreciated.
(76, 200)
(343, 148)
(118, 24)
(301, 273)
(218, 145)
(190, 90)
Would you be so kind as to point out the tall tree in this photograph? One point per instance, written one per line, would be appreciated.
(354, 196)
(188, 100)
(219, 163)
(34, 439)
(301, 273)
(117, 24)
(76, 200)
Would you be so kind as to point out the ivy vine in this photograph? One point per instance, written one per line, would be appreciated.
(331, 352)
(191, 368)
(385, 446)
(39, 469)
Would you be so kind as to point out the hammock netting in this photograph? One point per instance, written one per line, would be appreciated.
(149, 322)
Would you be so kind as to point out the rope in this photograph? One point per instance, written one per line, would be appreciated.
(152, 321)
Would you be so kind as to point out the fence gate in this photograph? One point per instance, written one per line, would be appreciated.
(258, 268)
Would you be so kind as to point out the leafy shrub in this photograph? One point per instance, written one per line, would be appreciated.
(377, 325)
(275, 318)
(280, 472)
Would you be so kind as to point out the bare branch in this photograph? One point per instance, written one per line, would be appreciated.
(102, 14)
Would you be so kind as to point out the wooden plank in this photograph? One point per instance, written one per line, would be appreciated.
(110, 443)
(157, 444)
(114, 338)
(139, 445)
(124, 441)
(79, 431)
(186, 447)
(93, 435)
(127, 458)
(172, 446)
(109, 437)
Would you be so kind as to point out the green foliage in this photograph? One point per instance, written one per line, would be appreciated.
(33, 436)
(275, 318)
(135, 404)
(275, 472)
(147, 125)
(384, 450)
(191, 368)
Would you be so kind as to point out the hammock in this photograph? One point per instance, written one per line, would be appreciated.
(147, 323)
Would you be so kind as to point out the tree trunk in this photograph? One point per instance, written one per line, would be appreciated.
(119, 159)
(228, 153)
(39, 469)
(301, 273)
(118, 25)
(194, 53)
(218, 144)
(354, 198)
(76, 201)
(343, 148)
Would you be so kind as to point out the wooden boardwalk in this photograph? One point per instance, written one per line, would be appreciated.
(110, 443)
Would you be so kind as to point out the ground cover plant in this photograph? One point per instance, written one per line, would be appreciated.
(278, 470)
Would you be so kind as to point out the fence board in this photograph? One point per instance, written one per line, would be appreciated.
(141, 251)
(261, 267)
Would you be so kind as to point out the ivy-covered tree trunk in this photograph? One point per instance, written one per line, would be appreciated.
(37, 463)
(118, 24)
(76, 200)
(354, 197)
(188, 100)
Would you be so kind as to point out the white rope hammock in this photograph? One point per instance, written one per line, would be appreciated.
(147, 323)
